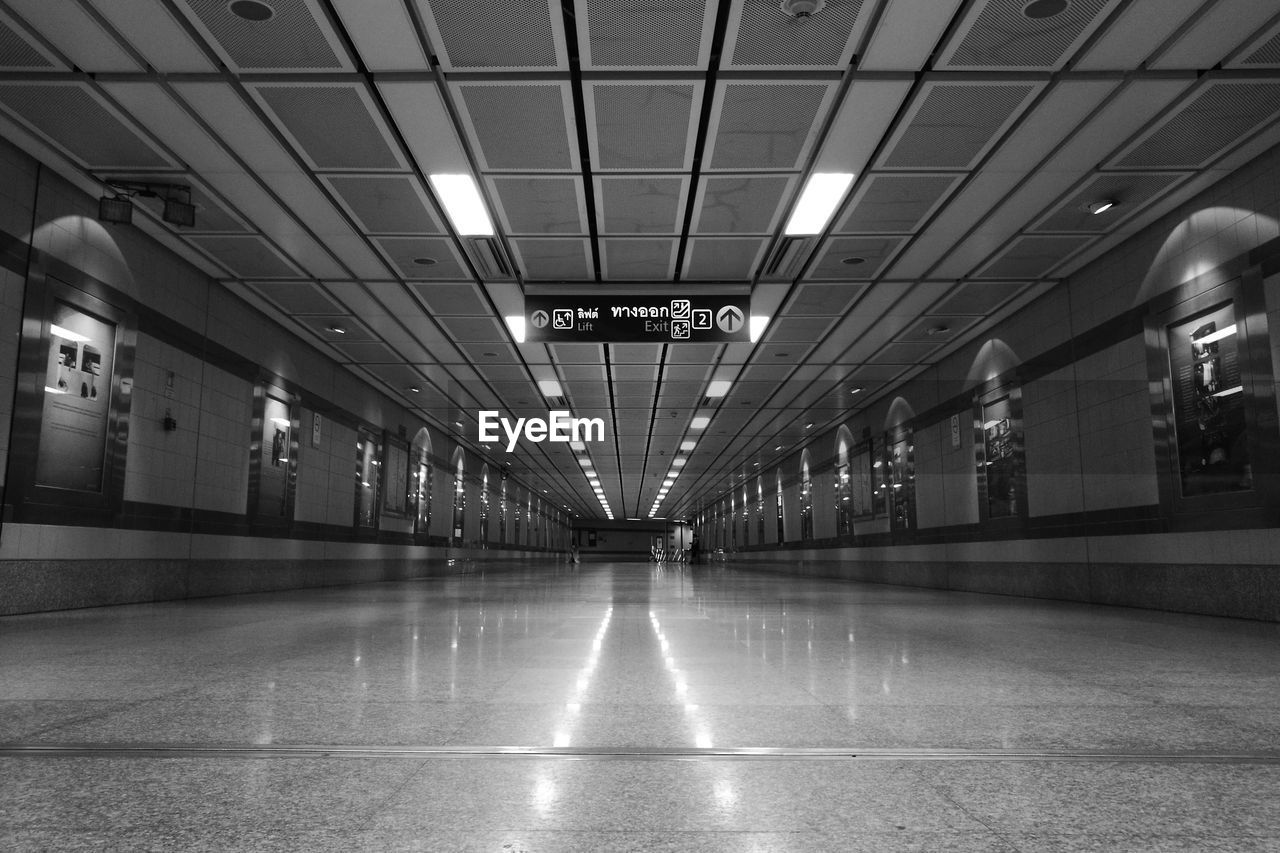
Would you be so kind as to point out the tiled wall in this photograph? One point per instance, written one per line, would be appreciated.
(195, 346)
(1089, 438)
(1113, 405)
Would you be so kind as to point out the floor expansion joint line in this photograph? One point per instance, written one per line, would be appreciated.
(241, 750)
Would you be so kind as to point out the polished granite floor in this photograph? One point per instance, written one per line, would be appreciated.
(623, 707)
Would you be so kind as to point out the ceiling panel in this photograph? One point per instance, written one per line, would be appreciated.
(540, 204)
(541, 110)
(762, 36)
(676, 36)
(1008, 34)
(765, 125)
(296, 37)
(509, 36)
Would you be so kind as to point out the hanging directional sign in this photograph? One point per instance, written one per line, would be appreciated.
(634, 319)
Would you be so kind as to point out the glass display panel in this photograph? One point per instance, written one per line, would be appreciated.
(1209, 404)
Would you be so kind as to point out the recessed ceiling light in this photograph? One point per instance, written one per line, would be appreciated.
(489, 354)
(678, 463)
(718, 387)
(699, 422)
(938, 329)
(337, 330)
(550, 388)
(251, 10)
(1038, 9)
(856, 389)
(461, 200)
(425, 262)
(779, 447)
(853, 260)
(413, 389)
(808, 426)
(822, 192)
(1101, 206)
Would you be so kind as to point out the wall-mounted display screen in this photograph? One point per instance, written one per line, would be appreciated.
(1208, 403)
(77, 400)
(276, 438)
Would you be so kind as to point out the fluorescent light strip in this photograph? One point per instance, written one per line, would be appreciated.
(822, 192)
(515, 322)
(67, 334)
(462, 203)
(1216, 336)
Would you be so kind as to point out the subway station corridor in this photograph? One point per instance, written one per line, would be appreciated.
(623, 706)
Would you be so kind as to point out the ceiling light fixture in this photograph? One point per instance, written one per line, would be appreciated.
(515, 323)
(337, 330)
(1101, 206)
(937, 330)
(550, 388)
(251, 10)
(759, 322)
(699, 422)
(1040, 9)
(425, 262)
(822, 193)
(462, 203)
(853, 260)
(718, 387)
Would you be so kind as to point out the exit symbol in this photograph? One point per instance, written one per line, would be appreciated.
(729, 319)
(539, 319)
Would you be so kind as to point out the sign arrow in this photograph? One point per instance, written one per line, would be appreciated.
(729, 319)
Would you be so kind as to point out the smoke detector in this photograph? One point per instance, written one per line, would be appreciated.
(801, 8)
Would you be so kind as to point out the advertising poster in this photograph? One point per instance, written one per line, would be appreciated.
(860, 484)
(273, 480)
(1208, 404)
(1000, 443)
(77, 401)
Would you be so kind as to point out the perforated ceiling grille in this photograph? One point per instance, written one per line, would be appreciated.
(297, 297)
(766, 126)
(553, 260)
(895, 203)
(640, 205)
(511, 34)
(825, 299)
(1003, 37)
(385, 205)
(643, 127)
(874, 252)
(644, 35)
(722, 258)
(799, 329)
(451, 299)
(740, 205)
(311, 113)
(63, 113)
(537, 109)
(539, 205)
(638, 259)
(978, 297)
(290, 40)
(1030, 257)
(247, 257)
(369, 353)
(405, 252)
(1267, 55)
(1129, 192)
(16, 53)
(649, 354)
(1217, 117)
(768, 37)
(954, 125)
